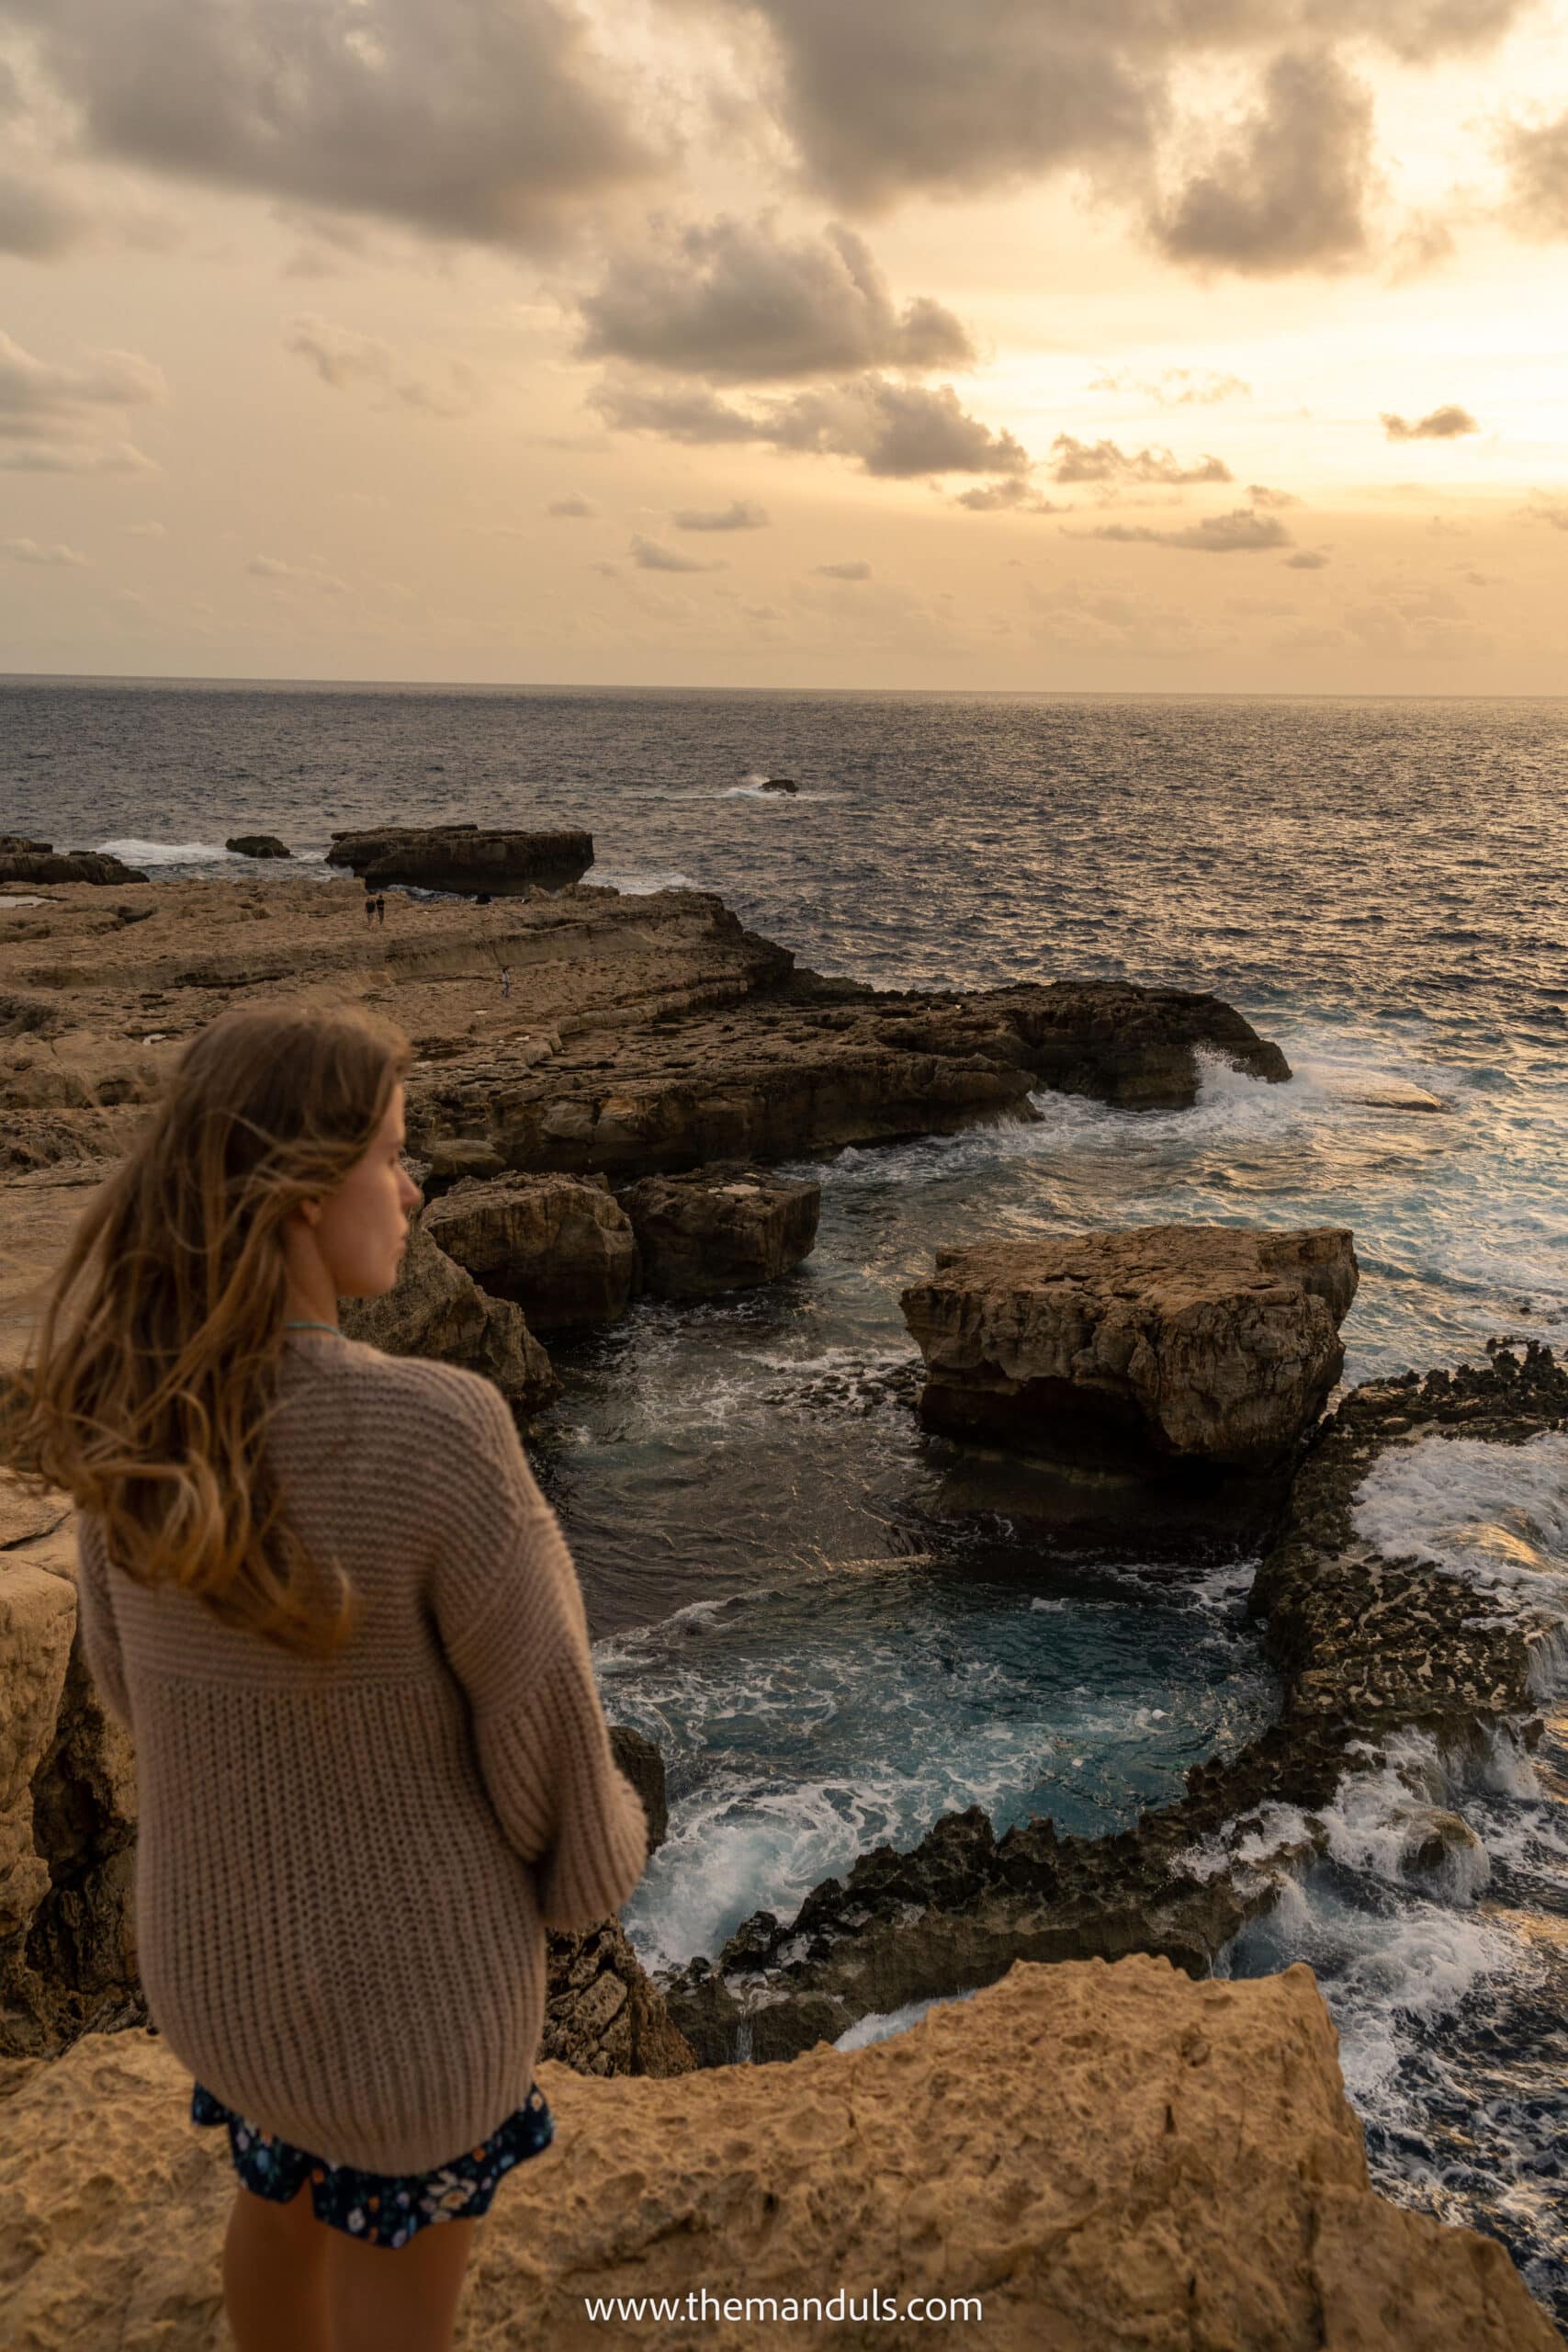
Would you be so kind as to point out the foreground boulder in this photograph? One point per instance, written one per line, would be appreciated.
(1100, 2159)
(726, 1227)
(560, 1246)
(464, 857)
(1207, 1344)
(438, 1309)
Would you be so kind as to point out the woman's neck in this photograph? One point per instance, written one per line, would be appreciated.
(308, 1303)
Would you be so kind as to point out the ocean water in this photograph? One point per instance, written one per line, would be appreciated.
(837, 1629)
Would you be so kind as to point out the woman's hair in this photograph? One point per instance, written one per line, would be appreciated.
(155, 1368)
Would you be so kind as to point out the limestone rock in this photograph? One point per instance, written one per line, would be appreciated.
(37, 861)
(1107, 2159)
(464, 857)
(725, 1228)
(257, 845)
(644, 1768)
(438, 1309)
(560, 1246)
(604, 2015)
(1210, 1343)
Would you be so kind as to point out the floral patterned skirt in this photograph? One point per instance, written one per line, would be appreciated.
(384, 2209)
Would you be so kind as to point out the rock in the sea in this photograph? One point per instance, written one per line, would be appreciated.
(438, 1309)
(724, 1227)
(1199, 1343)
(644, 1768)
(780, 783)
(26, 860)
(560, 1246)
(257, 845)
(464, 857)
(1096, 2159)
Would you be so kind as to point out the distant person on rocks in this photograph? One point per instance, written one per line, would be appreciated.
(380, 908)
(341, 1901)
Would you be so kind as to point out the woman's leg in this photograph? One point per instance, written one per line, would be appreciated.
(396, 2299)
(274, 2276)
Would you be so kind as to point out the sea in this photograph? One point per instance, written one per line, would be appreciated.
(836, 1629)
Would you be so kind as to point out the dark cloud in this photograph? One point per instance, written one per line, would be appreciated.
(892, 428)
(740, 515)
(1289, 192)
(1073, 460)
(843, 571)
(1241, 532)
(888, 98)
(36, 224)
(737, 303)
(485, 120)
(1306, 559)
(1441, 424)
(572, 508)
(649, 556)
(1009, 495)
(1537, 157)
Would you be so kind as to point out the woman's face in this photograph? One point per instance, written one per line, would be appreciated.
(361, 1230)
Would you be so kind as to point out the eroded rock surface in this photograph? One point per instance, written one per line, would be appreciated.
(724, 1227)
(31, 862)
(1107, 2159)
(560, 1246)
(438, 1309)
(1208, 1343)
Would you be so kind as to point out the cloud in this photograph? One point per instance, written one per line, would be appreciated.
(1441, 424)
(843, 571)
(649, 556)
(52, 416)
(30, 552)
(146, 530)
(1306, 559)
(1261, 495)
(1011, 495)
(1241, 532)
(303, 575)
(572, 508)
(36, 224)
(737, 304)
(492, 120)
(1177, 387)
(740, 515)
(1073, 460)
(892, 428)
(1288, 192)
(1537, 156)
(342, 359)
(1543, 507)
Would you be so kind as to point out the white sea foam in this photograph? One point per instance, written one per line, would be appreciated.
(883, 2024)
(1495, 1514)
(634, 883)
(140, 853)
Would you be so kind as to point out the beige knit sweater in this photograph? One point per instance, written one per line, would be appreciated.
(342, 1865)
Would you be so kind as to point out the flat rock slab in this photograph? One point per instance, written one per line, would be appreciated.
(464, 857)
(1107, 2159)
(723, 1229)
(1208, 1344)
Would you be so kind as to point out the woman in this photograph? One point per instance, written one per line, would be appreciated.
(321, 1589)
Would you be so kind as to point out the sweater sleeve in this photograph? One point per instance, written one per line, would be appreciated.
(95, 1623)
(510, 1613)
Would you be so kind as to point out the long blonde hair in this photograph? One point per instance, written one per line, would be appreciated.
(153, 1371)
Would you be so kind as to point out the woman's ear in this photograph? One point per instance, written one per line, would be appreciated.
(309, 1212)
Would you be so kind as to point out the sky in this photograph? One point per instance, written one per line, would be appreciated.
(1149, 346)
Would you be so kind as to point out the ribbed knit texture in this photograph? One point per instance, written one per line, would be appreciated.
(345, 1866)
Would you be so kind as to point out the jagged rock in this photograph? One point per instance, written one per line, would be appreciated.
(560, 1246)
(464, 857)
(604, 2015)
(1102, 2159)
(1208, 1343)
(438, 1309)
(37, 861)
(257, 845)
(723, 1229)
(644, 1768)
